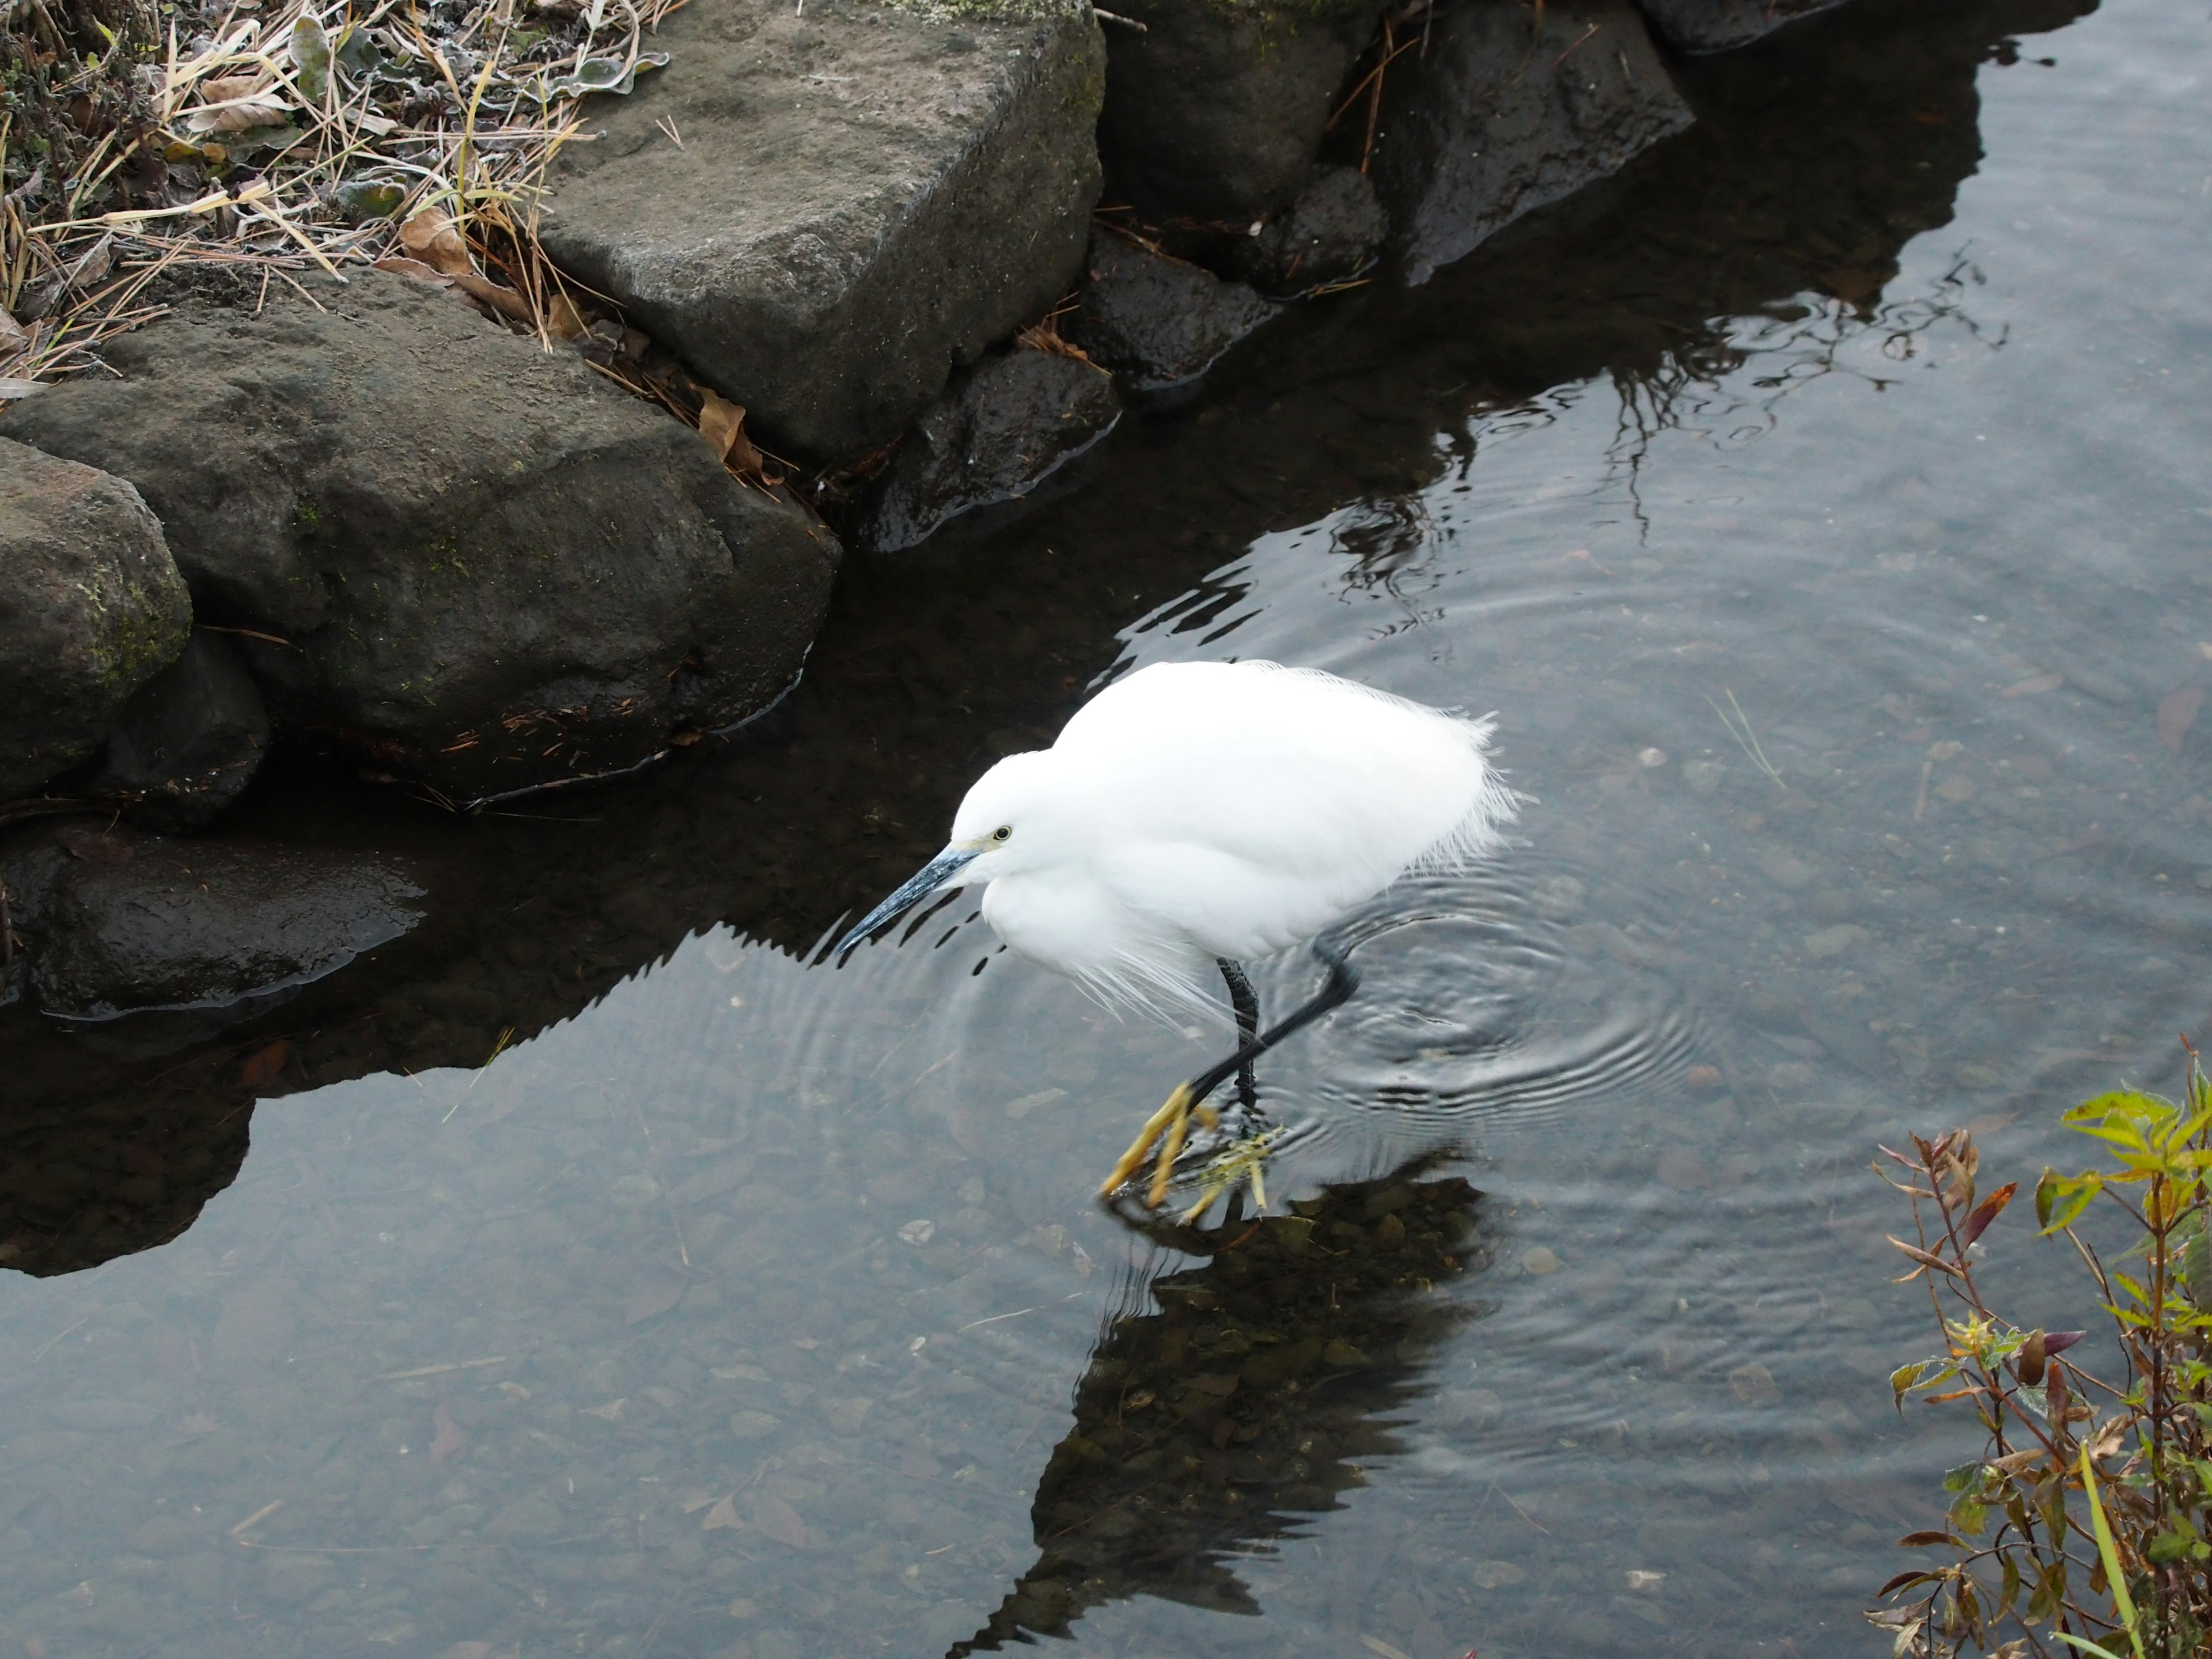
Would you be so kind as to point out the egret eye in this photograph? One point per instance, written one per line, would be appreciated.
(1002, 832)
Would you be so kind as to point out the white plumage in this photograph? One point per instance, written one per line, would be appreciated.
(1194, 811)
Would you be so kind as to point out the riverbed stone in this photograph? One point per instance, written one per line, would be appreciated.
(472, 561)
(1158, 320)
(189, 742)
(138, 922)
(1718, 25)
(91, 608)
(1215, 108)
(1496, 120)
(995, 436)
(864, 198)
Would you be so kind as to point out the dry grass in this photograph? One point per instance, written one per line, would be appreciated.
(306, 138)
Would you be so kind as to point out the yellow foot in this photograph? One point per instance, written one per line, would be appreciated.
(1175, 1115)
(1245, 1162)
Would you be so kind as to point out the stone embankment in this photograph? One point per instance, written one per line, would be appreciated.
(932, 248)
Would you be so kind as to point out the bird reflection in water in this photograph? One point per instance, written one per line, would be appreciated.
(1219, 1425)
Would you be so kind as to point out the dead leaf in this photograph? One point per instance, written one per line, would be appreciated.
(2177, 713)
(239, 118)
(692, 1502)
(222, 88)
(402, 266)
(450, 1437)
(773, 1518)
(2034, 687)
(432, 237)
(493, 294)
(264, 1063)
(1381, 1649)
(563, 320)
(722, 424)
(723, 1517)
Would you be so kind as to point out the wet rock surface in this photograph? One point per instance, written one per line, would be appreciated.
(131, 922)
(864, 198)
(1159, 320)
(995, 436)
(1331, 234)
(91, 607)
(1718, 25)
(1216, 108)
(1489, 122)
(186, 746)
(482, 564)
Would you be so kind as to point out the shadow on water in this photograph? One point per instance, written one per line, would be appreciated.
(1214, 1429)
(1815, 158)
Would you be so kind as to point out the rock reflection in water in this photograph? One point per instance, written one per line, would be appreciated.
(1214, 1427)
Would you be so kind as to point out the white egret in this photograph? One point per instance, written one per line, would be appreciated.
(1194, 814)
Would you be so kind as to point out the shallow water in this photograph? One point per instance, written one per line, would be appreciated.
(740, 1305)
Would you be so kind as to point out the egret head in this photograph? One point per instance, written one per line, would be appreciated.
(1006, 823)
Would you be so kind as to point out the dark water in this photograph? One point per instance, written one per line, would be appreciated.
(599, 1274)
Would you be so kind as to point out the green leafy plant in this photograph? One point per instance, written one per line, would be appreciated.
(2085, 1525)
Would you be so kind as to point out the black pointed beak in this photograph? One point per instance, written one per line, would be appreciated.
(938, 873)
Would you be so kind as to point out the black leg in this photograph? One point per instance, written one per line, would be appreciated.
(1247, 1028)
(1342, 982)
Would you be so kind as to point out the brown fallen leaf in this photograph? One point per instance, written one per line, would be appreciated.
(2034, 687)
(563, 320)
(773, 1518)
(692, 1502)
(723, 1517)
(432, 237)
(493, 294)
(722, 424)
(222, 89)
(265, 1063)
(450, 1437)
(400, 265)
(2177, 713)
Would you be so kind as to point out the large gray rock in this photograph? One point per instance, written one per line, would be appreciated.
(997, 435)
(1215, 110)
(1718, 25)
(1160, 321)
(189, 742)
(486, 566)
(135, 922)
(864, 198)
(91, 608)
(1496, 120)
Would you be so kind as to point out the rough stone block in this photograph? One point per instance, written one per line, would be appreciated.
(488, 567)
(91, 608)
(1718, 25)
(1159, 320)
(1216, 109)
(189, 742)
(138, 922)
(1330, 234)
(1500, 117)
(864, 198)
(997, 435)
